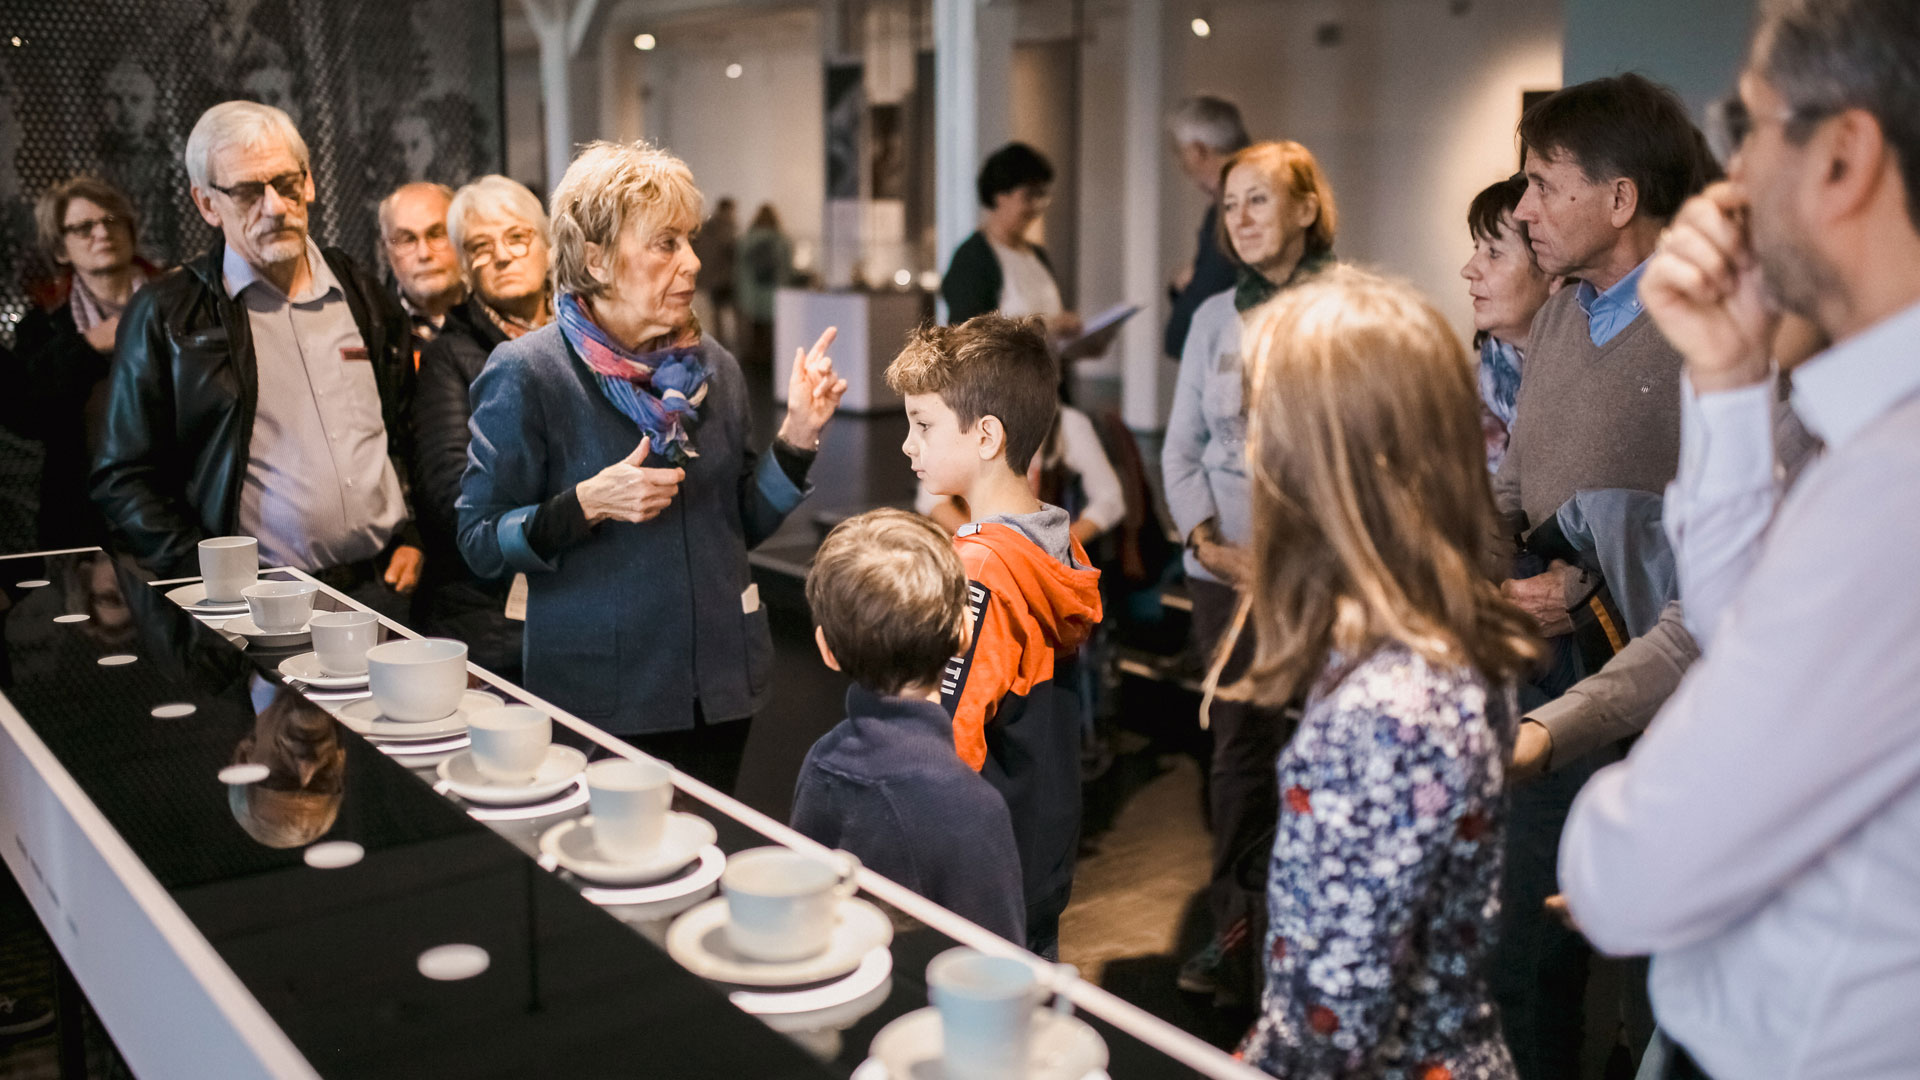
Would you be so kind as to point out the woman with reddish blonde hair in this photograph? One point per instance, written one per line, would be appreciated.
(1277, 223)
(1366, 600)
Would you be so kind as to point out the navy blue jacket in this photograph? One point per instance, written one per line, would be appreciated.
(634, 623)
(886, 785)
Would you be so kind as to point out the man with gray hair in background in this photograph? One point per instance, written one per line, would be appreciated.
(1206, 132)
(419, 251)
(264, 388)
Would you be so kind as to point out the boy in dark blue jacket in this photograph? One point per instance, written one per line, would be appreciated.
(890, 605)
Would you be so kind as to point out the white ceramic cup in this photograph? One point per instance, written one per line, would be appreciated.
(280, 607)
(417, 679)
(510, 743)
(629, 800)
(341, 640)
(986, 1008)
(229, 564)
(781, 904)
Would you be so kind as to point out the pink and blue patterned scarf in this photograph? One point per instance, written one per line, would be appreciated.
(660, 391)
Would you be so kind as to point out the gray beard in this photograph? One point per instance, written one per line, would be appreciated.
(275, 252)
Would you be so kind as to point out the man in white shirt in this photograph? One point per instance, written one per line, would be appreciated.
(1763, 840)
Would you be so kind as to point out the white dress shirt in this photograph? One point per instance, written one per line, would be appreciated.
(1762, 841)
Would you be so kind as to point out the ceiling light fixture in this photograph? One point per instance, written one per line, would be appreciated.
(645, 42)
(1202, 28)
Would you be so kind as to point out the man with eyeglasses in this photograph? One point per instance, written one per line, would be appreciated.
(263, 389)
(426, 269)
(1763, 840)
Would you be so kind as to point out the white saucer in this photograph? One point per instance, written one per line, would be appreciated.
(571, 845)
(364, 717)
(194, 598)
(306, 668)
(698, 941)
(1063, 1047)
(267, 639)
(562, 767)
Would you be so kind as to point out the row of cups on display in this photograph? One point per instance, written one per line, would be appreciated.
(782, 904)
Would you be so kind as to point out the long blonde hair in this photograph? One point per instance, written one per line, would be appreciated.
(1372, 512)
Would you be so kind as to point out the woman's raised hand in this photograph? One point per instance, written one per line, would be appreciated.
(813, 393)
(627, 490)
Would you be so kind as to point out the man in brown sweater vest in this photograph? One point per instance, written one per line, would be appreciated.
(1608, 163)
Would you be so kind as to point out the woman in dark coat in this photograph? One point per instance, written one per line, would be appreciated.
(64, 346)
(499, 231)
(610, 464)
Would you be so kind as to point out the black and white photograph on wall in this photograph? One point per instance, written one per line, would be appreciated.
(846, 98)
(383, 92)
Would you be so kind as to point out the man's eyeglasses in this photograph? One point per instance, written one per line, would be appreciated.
(1730, 122)
(80, 230)
(436, 239)
(291, 187)
(514, 244)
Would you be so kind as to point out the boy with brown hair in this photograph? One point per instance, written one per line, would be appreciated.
(889, 603)
(980, 399)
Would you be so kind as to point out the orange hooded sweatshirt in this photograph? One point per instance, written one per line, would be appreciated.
(1010, 720)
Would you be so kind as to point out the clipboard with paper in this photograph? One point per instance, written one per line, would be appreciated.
(1096, 337)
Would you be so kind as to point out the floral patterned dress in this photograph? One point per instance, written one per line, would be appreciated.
(1384, 885)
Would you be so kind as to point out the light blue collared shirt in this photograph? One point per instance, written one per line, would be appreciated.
(1609, 312)
(1759, 840)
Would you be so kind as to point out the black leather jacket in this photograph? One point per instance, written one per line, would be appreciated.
(181, 402)
(454, 601)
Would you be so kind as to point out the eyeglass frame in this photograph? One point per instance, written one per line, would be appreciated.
(1731, 120)
(244, 196)
(483, 257)
(432, 241)
(82, 229)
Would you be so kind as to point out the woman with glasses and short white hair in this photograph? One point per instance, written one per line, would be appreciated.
(498, 229)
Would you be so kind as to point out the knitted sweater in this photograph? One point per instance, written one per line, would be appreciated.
(1588, 416)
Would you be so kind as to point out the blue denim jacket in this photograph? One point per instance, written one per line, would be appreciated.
(632, 626)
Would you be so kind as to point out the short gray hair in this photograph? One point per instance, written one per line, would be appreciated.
(385, 211)
(608, 184)
(238, 123)
(1210, 121)
(494, 198)
(1826, 56)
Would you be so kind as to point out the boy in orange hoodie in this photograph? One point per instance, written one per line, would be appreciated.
(981, 398)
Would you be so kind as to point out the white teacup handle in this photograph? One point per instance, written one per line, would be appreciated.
(1057, 977)
(849, 866)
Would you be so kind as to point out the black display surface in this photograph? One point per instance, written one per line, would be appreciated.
(571, 988)
(332, 954)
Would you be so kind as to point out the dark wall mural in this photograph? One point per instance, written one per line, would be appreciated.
(383, 91)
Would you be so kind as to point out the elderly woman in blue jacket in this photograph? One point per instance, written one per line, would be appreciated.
(609, 463)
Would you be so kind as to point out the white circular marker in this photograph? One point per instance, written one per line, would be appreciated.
(335, 855)
(34, 583)
(174, 711)
(734, 71)
(71, 618)
(116, 660)
(451, 963)
(250, 773)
